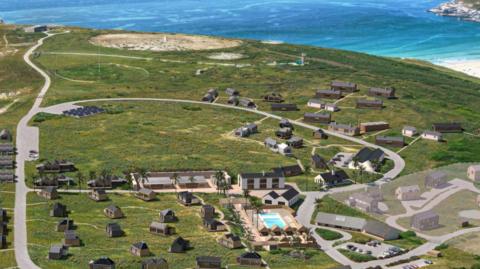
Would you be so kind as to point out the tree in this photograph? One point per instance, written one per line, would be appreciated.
(308, 173)
(80, 179)
(175, 180)
(142, 177)
(246, 194)
(219, 177)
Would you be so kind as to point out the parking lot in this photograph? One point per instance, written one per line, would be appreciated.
(375, 248)
(341, 159)
(413, 265)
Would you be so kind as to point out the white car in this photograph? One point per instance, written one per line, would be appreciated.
(33, 155)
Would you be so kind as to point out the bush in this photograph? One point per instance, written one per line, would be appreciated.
(407, 234)
(441, 247)
(41, 117)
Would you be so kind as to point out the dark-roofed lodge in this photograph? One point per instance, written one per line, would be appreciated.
(369, 104)
(317, 117)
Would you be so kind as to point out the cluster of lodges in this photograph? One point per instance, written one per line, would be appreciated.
(7, 154)
(3, 228)
(233, 98)
(247, 130)
(178, 179)
(436, 134)
(433, 180)
(366, 200)
(285, 132)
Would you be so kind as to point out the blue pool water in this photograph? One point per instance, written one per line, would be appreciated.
(399, 28)
(270, 219)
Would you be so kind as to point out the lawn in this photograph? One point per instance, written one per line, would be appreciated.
(453, 257)
(157, 136)
(355, 256)
(328, 234)
(329, 205)
(90, 221)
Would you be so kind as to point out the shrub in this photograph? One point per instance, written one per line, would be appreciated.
(407, 234)
(441, 247)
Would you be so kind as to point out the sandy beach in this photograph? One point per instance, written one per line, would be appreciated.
(470, 67)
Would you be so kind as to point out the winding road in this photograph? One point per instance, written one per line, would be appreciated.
(27, 139)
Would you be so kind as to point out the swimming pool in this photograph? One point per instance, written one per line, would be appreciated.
(270, 219)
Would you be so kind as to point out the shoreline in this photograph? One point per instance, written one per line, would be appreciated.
(469, 67)
(457, 9)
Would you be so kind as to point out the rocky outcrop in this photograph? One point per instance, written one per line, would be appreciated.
(457, 9)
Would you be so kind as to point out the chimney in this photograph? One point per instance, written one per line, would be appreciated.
(333, 172)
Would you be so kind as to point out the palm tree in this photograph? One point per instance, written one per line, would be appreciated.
(246, 194)
(219, 177)
(192, 180)
(142, 175)
(80, 179)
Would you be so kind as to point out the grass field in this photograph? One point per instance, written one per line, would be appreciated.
(454, 258)
(329, 205)
(7, 198)
(328, 234)
(90, 222)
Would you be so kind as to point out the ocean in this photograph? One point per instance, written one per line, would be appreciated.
(398, 28)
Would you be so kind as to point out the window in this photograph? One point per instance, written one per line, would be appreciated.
(275, 183)
(268, 202)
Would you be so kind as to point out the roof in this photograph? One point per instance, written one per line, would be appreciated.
(208, 259)
(432, 133)
(157, 261)
(367, 154)
(317, 158)
(146, 191)
(328, 92)
(56, 249)
(381, 229)
(390, 138)
(382, 90)
(166, 212)
(272, 194)
(317, 115)
(70, 235)
(343, 126)
(374, 123)
(290, 194)
(113, 208)
(180, 241)
(140, 245)
(409, 128)
(196, 179)
(232, 237)
(270, 141)
(370, 102)
(425, 215)
(335, 176)
(288, 169)
(475, 167)
(158, 225)
(316, 101)
(103, 261)
(340, 220)
(114, 226)
(362, 196)
(59, 206)
(343, 84)
(261, 174)
(250, 255)
(411, 188)
(455, 125)
(295, 139)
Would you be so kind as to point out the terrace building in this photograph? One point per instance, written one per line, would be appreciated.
(425, 221)
(7, 176)
(408, 193)
(394, 141)
(283, 107)
(7, 149)
(369, 104)
(208, 262)
(230, 241)
(382, 92)
(261, 181)
(453, 127)
(363, 202)
(155, 263)
(328, 94)
(346, 129)
(114, 230)
(102, 263)
(161, 229)
(343, 86)
(325, 118)
(140, 249)
(366, 127)
(56, 166)
(381, 230)
(340, 221)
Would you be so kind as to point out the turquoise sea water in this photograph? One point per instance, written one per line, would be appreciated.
(400, 28)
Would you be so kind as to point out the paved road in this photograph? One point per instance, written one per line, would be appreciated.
(26, 140)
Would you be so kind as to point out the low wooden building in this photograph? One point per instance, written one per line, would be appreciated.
(155, 263)
(319, 162)
(64, 225)
(273, 97)
(382, 92)
(49, 193)
(208, 262)
(245, 102)
(113, 212)
(57, 252)
(7, 176)
(102, 263)
(344, 86)
(319, 134)
(187, 198)
(114, 230)
(452, 127)
(232, 92)
(394, 141)
(369, 104)
(167, 216)
(161, 228)
(233, 100)
(408, 193)
(285, 123)
(213, 92)
(284, 133)
(179, 245)
(146, 194)
(346, 129)
(98, 195)
(207, 212)
(289, 170)
(409, 131)
(317, 117)
(230, 241)
(295, 142)
(71, 239)
(431, 135)
(250, 259)
(283, 107)
(140, 249)
(328, 94)
(366, 127)
(208, 98)
(213, 225)
(59, 210)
